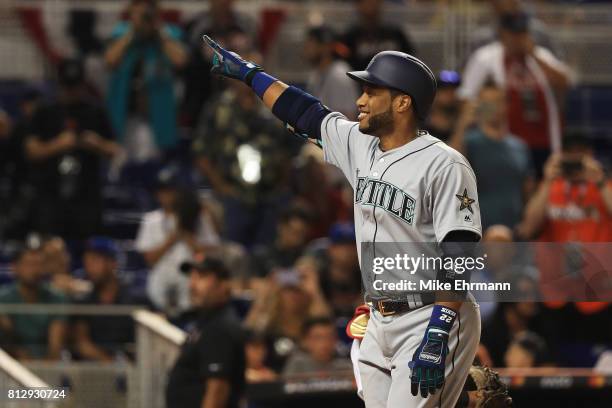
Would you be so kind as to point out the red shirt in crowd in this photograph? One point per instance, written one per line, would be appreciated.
(527, 110)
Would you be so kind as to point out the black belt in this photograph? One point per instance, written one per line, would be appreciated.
(393, 307)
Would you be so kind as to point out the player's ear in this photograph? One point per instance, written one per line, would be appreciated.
(403, 103)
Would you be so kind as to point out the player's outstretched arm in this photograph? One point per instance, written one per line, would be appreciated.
(300, 110)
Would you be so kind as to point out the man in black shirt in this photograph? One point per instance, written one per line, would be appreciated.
(66, 141)
(209, 371)
(370, 35)
(100, 337)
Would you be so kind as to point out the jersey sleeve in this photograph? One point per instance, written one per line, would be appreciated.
(339, 139)
(454, 200)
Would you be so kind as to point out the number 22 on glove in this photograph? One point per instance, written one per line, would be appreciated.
(428, 362)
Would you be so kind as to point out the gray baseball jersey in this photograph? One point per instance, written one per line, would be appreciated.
(418, 193)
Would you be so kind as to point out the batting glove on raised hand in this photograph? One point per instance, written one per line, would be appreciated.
(230, 64)
(428, 361)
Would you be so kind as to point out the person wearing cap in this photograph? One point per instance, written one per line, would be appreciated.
(533, 79)
(99, 337)
(171, 235)
(65, 146)
(422, 199)
(209, 371)
(327, 79)
(31, 336)
(339, 270)
(488, 32)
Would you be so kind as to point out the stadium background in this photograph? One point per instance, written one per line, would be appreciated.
(37, 35)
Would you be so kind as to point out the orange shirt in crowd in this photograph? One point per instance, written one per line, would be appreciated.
(576, 213)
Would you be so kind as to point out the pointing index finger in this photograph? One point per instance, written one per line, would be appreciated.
(213, 45)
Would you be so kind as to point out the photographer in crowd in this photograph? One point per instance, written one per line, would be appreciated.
(574, 199)
(143, 54)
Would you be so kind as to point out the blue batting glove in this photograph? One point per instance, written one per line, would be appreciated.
(230, 64)
(428, 361)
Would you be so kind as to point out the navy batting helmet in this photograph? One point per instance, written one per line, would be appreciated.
(403, 72)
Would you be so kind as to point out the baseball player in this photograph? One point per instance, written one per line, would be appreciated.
(409, 187)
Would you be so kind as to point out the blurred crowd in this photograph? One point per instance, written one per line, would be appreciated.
(108, 192)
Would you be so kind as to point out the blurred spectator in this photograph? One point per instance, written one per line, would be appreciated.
(318, 353)
(100, 337)
(229, 28)
(526, 350)
(292, 234)
(327, 80)
(169, 236)
(573, 205)
(574, 199)
(509, 321)
(12, 168)
(209, 371)
(57, 269)
(489, 32)
(256, 353)
(503, 265)
(533, 79)
(322, 188)
(282, 304)
(370, 35)
(143, 54)
(16, 195)
(31, 336)
(82, 29)
(495, 154)
(8, 148)
(66, 143)
(245, 155)
(446, 106)
(338, 268)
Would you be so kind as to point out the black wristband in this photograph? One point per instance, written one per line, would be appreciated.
(248, 79)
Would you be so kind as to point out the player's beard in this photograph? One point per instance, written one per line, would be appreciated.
(379, 125)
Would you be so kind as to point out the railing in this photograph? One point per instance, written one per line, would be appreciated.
(157, 347)
(13, 376)
(91, 384)
(87, 384)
